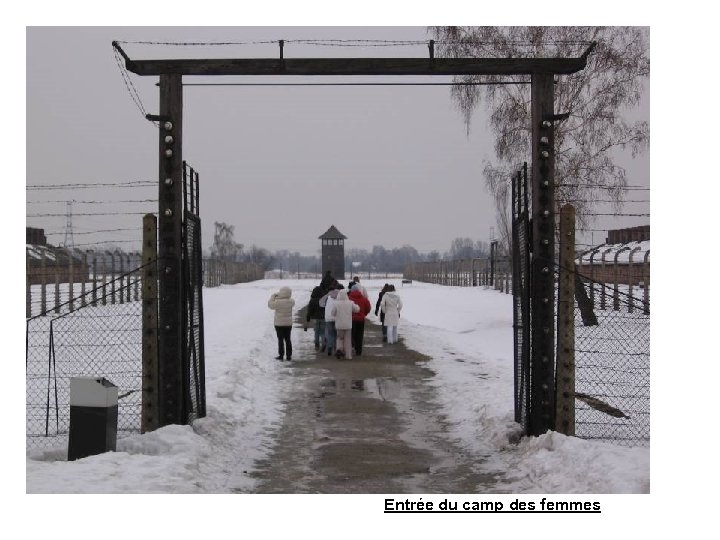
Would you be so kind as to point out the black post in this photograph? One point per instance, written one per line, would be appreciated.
(170, 310)
(542, 413)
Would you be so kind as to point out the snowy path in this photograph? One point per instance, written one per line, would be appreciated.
(372, 424)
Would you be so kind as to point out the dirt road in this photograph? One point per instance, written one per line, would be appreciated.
(367, 425)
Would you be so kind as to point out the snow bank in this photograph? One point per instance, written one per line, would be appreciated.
(466, 331)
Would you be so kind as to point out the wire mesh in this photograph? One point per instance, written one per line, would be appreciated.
(99, 338)
(612, 365)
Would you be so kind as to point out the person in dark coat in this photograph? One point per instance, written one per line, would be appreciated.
(316, 312)
(382, 313)
(358, 318)
(327, 281)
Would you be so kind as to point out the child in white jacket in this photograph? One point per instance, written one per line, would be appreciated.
(342, 311)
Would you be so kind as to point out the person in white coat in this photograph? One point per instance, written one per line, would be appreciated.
(327, 302)
(391, 305)
(342, 310)
(282, 303)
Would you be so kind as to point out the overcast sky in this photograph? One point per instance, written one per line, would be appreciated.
(388, 165)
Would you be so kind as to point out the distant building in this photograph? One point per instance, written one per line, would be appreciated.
(629, 234)
(333, 252)
(623, 259)
(45, 263)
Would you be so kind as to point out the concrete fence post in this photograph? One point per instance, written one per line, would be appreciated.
(646, 280)
(28, 292)
(43, 283)
(71, 277)
(616, 278)
(84, 278)
(603, 292)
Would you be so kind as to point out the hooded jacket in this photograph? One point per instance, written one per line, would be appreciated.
(327, 302)
(282, 304)
(342, 310)
(362, 289)
(363, 303)
(391, 305)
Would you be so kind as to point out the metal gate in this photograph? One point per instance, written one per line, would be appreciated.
(193, 352)
(521, 296)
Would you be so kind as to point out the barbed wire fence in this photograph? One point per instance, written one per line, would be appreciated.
(603, 337)
(88, 335)
(218, 272)
(60, 277)
(612, 364)
(478, 272)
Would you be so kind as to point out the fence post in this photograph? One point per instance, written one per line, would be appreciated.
(28, 293)
(565, 386)
(646, 280)
(112, 275)
(616, 272)
(71, 276)
(631, 280)
(603, 291)
(149, 419)
(136, 274)
(57, 290)
(43, 283)
(542, 277)
(94, 280)
(128, 296)
(104, 279)
(84, 276)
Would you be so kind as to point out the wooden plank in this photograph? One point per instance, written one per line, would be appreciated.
(357, 66)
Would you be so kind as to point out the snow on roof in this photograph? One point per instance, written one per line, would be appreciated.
(623, 251)
(36, 252)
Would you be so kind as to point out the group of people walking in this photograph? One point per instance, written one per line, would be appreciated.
(338, 315)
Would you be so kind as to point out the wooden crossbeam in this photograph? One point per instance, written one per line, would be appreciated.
(357, 66)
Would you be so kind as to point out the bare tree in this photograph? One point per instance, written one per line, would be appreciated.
(224, 246)
(598, 99)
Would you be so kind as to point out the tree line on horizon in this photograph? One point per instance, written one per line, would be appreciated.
(378, 259)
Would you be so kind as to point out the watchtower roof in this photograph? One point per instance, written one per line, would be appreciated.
(332, 234)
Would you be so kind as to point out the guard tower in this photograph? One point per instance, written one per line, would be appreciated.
(333, 252)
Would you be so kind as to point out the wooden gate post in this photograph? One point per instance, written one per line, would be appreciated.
(565, 391)
(150, 415)
(170, 197)
(542, 407)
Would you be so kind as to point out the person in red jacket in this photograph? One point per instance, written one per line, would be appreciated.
(358, 318)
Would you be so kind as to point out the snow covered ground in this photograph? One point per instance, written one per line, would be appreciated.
(466, 331)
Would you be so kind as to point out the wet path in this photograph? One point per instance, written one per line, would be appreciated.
(366, 425)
